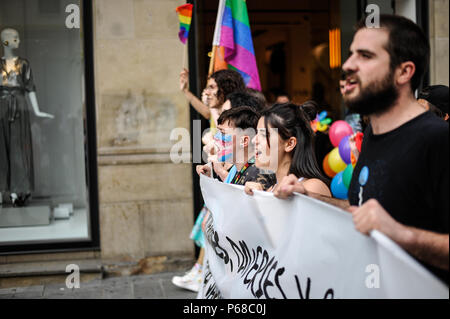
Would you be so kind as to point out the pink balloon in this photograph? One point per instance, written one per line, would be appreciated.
(338, 131)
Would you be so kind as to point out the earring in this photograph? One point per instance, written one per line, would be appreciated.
(5, 43)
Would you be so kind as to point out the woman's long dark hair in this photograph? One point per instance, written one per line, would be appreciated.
(228, 81)
(291, 121)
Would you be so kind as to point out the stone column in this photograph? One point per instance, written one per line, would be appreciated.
(145, 199)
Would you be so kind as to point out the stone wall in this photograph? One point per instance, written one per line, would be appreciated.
(438, 13)
(146, 204)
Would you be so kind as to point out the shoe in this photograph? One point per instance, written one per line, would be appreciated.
(19, 200)
(22, 200)
(190, 281)
(14, 198)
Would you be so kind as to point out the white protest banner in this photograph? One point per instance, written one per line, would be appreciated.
(263, 247)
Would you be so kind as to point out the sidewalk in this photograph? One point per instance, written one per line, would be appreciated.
(156, 286)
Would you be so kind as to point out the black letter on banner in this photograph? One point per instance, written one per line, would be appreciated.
(260, 269)
(246, 254)
(299, 288)
(235, 246)
(250, 264)
(267, 282)
(329, 292)
(223, 255)
(277, 274)
(260, 292)
(255, 265)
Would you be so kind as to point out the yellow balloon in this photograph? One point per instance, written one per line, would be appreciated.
(335, 161)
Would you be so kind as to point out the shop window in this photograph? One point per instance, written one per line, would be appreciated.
(44, 165)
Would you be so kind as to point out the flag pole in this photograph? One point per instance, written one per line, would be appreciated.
(211, 60)
(184, 56)
(216, 39)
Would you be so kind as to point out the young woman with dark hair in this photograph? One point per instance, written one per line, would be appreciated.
(285, 144)
(227, 82)
(219, 85)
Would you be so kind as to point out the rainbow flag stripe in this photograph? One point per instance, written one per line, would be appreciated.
(185, 17)
(236, 38)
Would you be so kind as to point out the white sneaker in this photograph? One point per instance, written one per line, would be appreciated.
(191, 281)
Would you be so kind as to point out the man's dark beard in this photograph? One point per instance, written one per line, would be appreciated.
(376, 99)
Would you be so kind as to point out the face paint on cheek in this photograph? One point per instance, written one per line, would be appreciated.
(225, 144)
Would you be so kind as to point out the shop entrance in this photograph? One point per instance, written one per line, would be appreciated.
(291, 41)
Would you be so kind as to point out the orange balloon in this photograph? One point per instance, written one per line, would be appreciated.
(353, 159)
(326, 167)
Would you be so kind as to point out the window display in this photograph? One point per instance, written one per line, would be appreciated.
(16, 155)
(43, 142)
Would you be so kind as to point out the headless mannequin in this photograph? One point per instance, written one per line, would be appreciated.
(10, 41)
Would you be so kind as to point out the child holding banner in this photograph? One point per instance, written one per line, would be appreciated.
(236, 129)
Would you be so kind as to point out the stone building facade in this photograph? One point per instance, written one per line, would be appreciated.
(146, 201)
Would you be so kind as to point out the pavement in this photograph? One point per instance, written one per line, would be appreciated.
(156, 286)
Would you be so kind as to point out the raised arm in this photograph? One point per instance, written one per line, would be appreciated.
(198, 105)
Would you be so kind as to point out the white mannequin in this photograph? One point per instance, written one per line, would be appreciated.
(10, 41)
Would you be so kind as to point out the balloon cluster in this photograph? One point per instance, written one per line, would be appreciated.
(321, 122)
(339, 163)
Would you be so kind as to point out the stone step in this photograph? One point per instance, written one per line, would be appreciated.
(46, 268)
(60, 280)
(22, 274)
(47, 272)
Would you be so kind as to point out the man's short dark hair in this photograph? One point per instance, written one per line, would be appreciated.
(242, 117)
(407, 42)
(437, 98)
(245, 99)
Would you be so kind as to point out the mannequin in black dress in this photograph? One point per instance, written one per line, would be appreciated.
(16, 154)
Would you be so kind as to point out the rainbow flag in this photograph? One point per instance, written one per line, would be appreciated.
(185, 16)
(234, 43)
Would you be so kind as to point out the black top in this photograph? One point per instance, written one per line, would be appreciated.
(408, 174)
(251, 173)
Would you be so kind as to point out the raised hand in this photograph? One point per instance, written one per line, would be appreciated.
(184, 80)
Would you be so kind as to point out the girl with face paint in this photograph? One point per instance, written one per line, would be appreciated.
(284, 145)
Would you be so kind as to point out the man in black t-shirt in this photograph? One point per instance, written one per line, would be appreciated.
(401, 181)
(408, 178)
